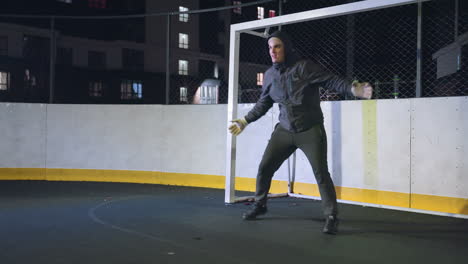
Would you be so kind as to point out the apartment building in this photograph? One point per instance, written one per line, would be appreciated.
(123, 59)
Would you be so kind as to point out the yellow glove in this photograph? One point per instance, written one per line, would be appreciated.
(238, 126)
(362, 90)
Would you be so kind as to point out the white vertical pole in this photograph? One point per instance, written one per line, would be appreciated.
(232, 114)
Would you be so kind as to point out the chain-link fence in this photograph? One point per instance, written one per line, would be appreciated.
(169, 57)
(445, 48)
(381, 47)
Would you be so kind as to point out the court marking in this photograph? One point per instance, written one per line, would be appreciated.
(92, 215)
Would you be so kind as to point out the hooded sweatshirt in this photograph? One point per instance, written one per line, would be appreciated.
(294, 85)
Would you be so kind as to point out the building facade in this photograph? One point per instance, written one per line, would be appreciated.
(123, 59)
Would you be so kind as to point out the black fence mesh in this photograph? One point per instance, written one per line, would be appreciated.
(124, 59)
(444, 47)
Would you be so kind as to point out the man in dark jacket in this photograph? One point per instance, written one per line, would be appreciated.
(294, 84)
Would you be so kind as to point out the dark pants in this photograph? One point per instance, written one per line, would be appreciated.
(282, 144)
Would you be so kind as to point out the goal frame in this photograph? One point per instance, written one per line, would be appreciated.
(233, 81)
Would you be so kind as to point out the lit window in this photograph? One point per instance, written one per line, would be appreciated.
(183, 17)
(95, 89)
(260, 12)
(97, 3)
(260, 79)
(237, 10)
(3, 46)
(272, 13)
(131, 90)
(183, 94)
(208, 94)
(183, 67)
(183, 41)
(4, 81)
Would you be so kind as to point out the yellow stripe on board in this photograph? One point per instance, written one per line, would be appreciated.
(369, 139)
(245, 184)
(249, 185)
(306, 189)
(130, 176)
(374, 196)
(418, 201)
(439, 204)
(358, 195)
(37, 174)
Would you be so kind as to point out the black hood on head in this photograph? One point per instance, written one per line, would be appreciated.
(290, 53)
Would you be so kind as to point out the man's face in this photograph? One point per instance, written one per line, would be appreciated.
(276, 48)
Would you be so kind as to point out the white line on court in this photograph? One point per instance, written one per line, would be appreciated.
(92, 215)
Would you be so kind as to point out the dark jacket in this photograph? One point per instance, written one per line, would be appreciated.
(296, 89)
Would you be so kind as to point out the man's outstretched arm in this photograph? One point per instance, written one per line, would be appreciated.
(317, 74)
(261, 107)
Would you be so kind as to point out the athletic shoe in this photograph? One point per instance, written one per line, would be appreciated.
(331, 225)
(257, 209)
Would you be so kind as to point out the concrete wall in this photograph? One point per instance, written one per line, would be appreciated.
(406, 149)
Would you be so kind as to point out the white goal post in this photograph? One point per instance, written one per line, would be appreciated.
(249, 28)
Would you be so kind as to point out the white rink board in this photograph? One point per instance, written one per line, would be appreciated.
(22, 130)
(193, 139)
(112, 137)
(421, 143)
(440, 146)
(345, 139)
(394, 145)
(343, 123)
(252, 142)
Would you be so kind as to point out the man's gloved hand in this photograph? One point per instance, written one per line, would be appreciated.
(238, 126)
(362, 90)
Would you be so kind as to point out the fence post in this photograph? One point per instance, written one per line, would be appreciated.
(52, 60)
(168, 57)
(350, 43)
(456, 20)
(418, 52)
(280, 10)
(396, 83)
(377, 89)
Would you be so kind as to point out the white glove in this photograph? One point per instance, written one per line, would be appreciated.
(238, 126)
(362, 90)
